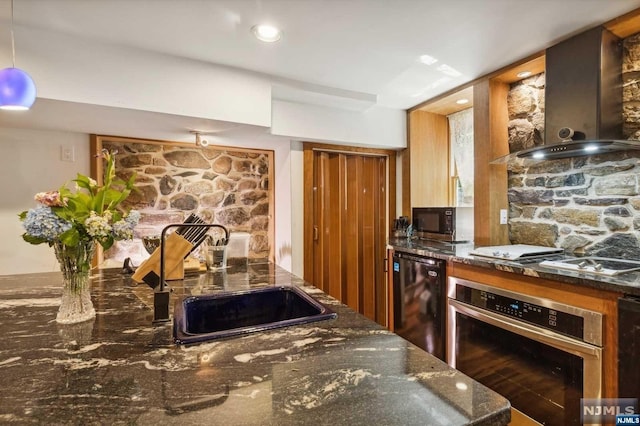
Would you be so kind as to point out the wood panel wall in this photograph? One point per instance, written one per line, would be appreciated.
(490, 133)
(429, 160)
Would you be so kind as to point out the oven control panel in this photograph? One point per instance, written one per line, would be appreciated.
(545, 317)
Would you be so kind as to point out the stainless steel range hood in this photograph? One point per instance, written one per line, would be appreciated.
(583, 98)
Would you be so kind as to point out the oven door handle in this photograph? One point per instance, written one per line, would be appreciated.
(550, 338)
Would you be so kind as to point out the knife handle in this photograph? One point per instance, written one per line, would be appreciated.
(175, 250)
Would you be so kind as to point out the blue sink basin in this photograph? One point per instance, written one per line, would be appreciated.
(214, 316)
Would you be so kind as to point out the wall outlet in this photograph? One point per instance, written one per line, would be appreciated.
(503, 217)
(67, 153)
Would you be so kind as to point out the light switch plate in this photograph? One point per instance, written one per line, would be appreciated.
(503, 216)
(67, 153)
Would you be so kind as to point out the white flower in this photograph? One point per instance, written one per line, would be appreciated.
(98, 226)
(122, 230)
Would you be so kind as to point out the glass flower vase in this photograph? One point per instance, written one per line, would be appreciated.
(75, 264)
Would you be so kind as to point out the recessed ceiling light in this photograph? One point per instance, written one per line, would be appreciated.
(523, 74)
(462, 101)
(267, 33)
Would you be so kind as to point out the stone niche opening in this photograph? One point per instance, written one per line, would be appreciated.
(225, 185)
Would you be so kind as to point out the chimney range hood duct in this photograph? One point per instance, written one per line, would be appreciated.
(583, 98)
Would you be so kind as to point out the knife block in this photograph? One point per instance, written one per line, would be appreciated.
(176, 248)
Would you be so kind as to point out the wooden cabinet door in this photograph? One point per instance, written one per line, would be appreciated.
(350, 219)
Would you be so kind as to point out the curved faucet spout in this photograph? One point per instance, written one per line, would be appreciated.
(192, 232)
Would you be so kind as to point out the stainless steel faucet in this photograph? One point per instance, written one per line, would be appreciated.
(161, 292)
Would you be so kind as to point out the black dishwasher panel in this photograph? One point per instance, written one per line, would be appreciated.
(628, 347)
(419, 301)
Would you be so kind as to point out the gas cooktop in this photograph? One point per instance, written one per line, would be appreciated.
(595, 265)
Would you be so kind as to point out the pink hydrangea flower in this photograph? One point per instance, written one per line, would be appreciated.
(49, 198)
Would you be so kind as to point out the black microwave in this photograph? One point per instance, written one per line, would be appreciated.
(451, 224)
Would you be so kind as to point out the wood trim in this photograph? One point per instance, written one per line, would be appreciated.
(391, 188)
(97, 173)
(605, 302)
(535, 66)
(490, 119)
(95, 165)
(406, 173)
(122, 139)
(380, 243)
(309, 193)
(271, 228)
(347, 149)
(625, 25)
(448, 105)
(390, 306)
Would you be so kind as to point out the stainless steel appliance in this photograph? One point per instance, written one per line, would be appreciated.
(540, 354)
(419, 301)
(595, 265)
(517, 252)
(451, 224)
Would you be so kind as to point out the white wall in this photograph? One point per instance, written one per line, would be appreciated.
(375, 127)
(66, 68)
(70, 69)
(297, 209)
(30, 163)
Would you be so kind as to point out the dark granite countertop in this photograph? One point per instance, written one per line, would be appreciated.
(120, 369)
(628, 283)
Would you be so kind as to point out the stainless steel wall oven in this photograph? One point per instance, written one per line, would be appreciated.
(542, 355)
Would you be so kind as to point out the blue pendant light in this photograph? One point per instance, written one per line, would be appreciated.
(17, 89)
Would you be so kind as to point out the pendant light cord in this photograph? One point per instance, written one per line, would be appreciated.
(13, 42)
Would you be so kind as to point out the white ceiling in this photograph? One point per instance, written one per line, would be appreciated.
(371, 47)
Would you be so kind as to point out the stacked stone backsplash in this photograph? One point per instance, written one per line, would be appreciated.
(222, 185)
(586, 205)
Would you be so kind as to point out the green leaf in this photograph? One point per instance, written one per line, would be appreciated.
(71, 237)
(107, 243)
(98, 202)
(32, 240)
(117, 215)
(23, 215)
(113, 198)
(65, 192)
(83, 182)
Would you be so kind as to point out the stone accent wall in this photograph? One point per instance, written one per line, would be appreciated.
(221, 185)
(631, 87)
(588, 204)
(525, 103)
